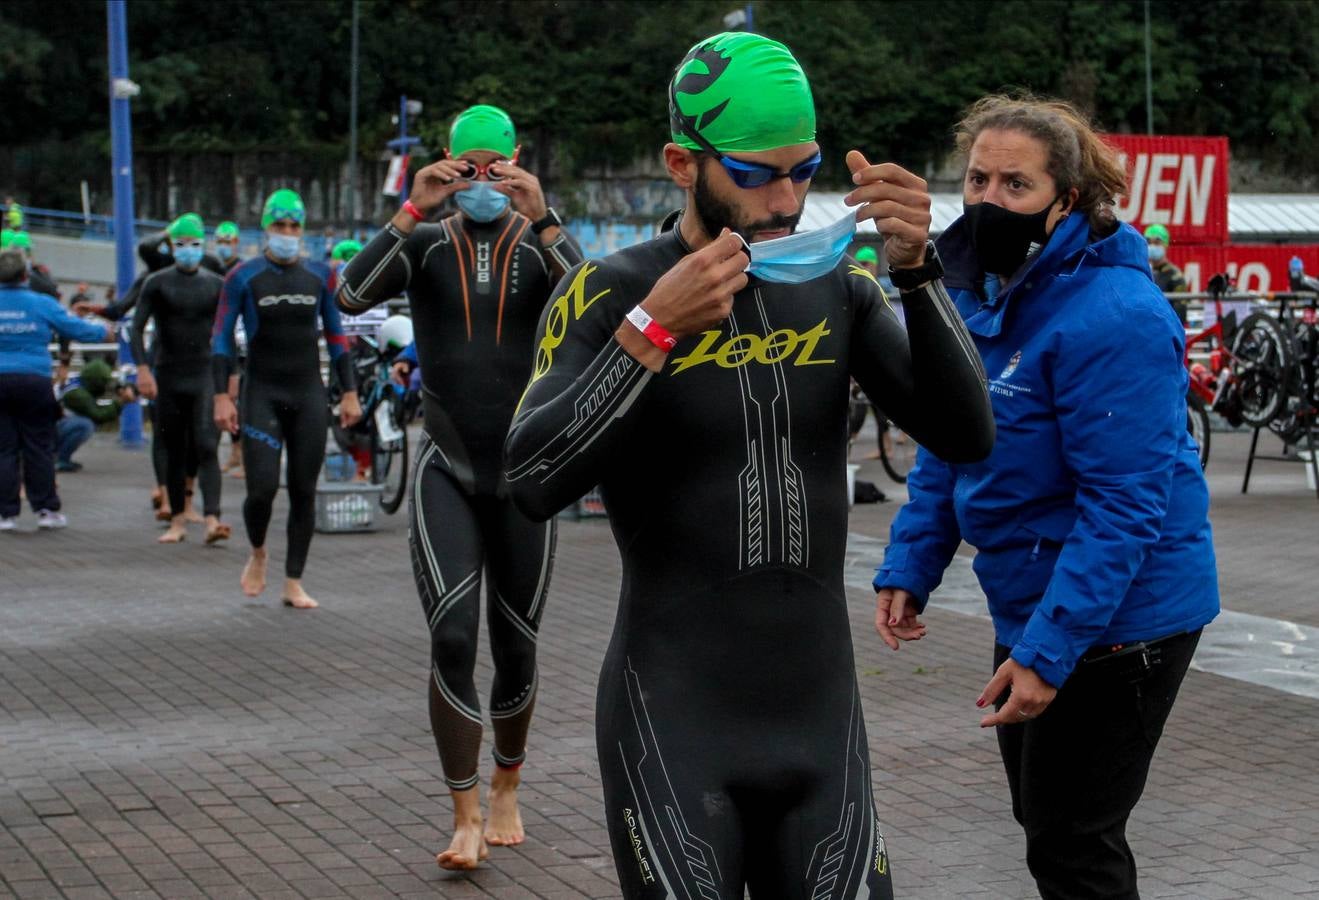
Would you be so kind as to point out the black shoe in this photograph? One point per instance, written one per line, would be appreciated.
(68, 466)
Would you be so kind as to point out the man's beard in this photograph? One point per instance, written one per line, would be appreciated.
(715, 214)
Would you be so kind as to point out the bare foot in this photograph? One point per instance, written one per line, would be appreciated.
(157, 497)
(873, 454)
(176, 533)
(468, 847)
(295, 596)
(254, 573)
(190, 514)
(216, 530)
(238, 471)
(505, 826)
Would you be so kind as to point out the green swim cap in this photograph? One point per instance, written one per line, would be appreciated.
(1158, 232)
(345, 250)
(283, 204)
(740, 92)
(226, 230)
(188, 225)
(867, 254)
(482, 128)
(6, 238)
(21, 240)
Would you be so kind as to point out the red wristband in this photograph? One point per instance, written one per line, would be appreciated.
(411, 209)
(656, 333)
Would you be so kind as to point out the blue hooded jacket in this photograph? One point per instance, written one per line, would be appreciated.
(1090, 518)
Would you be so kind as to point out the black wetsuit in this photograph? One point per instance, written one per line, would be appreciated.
(183, 305)
(476, 292)
(148, 250)
(728, 723)
(283, 404)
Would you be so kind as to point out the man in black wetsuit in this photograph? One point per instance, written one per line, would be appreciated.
(709, 401)
(284, 307)
(157, 255)
(182, 299)
(477, 283)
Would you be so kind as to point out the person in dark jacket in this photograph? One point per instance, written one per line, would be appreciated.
(85, 407)
(27, 399)
(1090, 518)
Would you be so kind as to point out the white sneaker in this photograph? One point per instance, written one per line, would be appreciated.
(8, 523)
(48, 519)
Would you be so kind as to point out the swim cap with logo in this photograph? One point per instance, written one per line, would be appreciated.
(283, 204)
(188, 225)
(740, 92)
(482, 128)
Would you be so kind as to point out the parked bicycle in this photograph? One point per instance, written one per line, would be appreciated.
(381, 437)
(897, 451)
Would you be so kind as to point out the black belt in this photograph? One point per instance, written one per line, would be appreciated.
(1134, 659)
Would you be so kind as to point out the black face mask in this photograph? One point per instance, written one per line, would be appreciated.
(1002, 238)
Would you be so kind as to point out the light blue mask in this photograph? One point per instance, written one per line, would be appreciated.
(224, 251)
(481, 202)
(1157, 252)
(284, 247)
(188, 257)
(803, 256)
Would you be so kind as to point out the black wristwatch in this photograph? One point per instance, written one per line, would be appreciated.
(549, 220)
(911, 279)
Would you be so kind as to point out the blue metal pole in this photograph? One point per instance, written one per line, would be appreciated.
(121, 162)
(751, 25)
(403, 144)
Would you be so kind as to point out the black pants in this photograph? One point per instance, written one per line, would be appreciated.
(187, 429)
(28, 411)
(276, 418)
(1077, 771)
(457, 538)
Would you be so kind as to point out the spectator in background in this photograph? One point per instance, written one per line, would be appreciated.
(27, 404)
(85, 407)
(13, 214)
(1167, 277)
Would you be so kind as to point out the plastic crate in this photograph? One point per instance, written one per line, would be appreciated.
(346, 506)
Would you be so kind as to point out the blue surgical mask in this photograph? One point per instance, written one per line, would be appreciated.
(1156, 252)
(481, 202)
(284, 247)
(224, 251)
(188, 256)
(803, 256)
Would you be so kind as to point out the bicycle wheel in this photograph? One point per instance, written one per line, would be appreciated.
(389, 453)
(1197, 423)
(897, 453)
(1262, 362)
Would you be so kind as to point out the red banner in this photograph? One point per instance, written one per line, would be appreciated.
(1253, 267)
(1180, 182)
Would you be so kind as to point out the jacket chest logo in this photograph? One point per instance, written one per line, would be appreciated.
(1011, 366)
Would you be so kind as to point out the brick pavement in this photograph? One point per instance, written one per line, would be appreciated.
(162, 736)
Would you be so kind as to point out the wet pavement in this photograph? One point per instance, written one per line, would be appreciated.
(163, 736)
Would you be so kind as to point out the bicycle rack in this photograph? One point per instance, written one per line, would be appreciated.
(1313, 462)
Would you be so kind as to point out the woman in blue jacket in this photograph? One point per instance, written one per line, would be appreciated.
(28, 408)
(1090, 517)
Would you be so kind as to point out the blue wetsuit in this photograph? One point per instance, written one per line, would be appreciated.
(284, 309)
